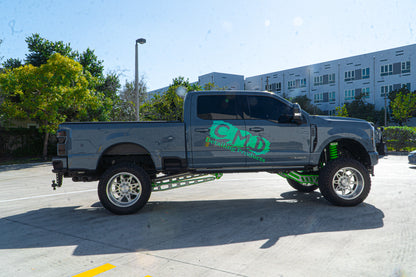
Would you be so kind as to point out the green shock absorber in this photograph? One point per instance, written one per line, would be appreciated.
(333, 150)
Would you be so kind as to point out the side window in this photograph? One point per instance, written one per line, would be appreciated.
(217, 107)
(268, 108)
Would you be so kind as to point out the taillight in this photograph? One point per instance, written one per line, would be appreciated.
(61, 150)
(61, 137)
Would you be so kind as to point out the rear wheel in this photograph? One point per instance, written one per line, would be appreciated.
(301, 187)
(124, 189)
(344, 182)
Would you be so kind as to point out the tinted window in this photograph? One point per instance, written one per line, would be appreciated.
(217, 107)
(267, 108)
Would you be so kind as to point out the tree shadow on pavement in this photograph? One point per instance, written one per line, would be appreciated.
(181, 224)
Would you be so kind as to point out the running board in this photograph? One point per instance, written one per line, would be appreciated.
(300, 177)
(182, 180)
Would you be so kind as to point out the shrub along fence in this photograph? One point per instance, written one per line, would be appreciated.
(400, 138)
(23, 142)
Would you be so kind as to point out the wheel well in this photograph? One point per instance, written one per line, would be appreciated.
(126, 153)
(348, 148)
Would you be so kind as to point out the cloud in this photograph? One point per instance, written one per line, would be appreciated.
(267, 22)
(227, 26)
(297, 21)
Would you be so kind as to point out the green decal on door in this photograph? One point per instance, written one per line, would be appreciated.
(227, 136)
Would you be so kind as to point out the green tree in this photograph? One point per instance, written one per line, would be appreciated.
(12, 63)
(46, 93)
(41, 49)
(91, 63)
(169, 105)
(358, 108)
(306, 104)
(103, 87)
(341, 111)
(403, 106)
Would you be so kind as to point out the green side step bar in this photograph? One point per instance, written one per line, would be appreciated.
(301, 177)
(182, 180)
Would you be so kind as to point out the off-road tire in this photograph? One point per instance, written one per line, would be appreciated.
(344, 182)
(124, 189)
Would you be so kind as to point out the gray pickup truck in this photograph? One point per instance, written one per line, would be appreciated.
(222, 132)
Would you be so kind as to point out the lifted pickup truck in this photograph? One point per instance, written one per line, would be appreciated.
(222, 131)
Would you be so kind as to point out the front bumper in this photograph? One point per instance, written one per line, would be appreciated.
(412, 157)
(373, 157)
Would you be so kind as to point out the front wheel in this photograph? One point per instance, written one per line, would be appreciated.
(124, 189)
(344, 182)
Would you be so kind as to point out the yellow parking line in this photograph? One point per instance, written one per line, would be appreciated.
(95, 271)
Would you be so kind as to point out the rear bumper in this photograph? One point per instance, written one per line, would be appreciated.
(60, 164)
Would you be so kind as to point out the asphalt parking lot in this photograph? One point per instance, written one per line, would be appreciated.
(250, 224)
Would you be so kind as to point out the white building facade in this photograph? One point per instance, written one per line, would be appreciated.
(334, 83)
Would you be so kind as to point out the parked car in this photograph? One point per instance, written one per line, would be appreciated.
(412, 157)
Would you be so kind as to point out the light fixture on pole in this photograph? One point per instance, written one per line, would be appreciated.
(136, 77)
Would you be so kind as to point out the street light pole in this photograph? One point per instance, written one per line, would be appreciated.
(136, 77)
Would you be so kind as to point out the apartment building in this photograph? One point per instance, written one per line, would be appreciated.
(333, 83)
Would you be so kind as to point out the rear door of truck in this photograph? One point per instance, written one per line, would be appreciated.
(215, 120)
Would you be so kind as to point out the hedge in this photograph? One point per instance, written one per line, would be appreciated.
(400, 138)
(23, 142)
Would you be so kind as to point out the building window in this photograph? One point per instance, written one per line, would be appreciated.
(331, 96)
(365, 73)
(386, 69)
(406, 67)
(303, 82)
(274, 87)
(298, 83)
(349, 75)
(331, 78)
(318, 98)
(406, 86)
(366, 92)
(385, 90)
(349, 94)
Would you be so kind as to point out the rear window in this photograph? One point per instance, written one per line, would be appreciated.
(217, 107)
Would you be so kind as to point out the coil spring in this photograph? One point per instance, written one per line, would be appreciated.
(333, 150)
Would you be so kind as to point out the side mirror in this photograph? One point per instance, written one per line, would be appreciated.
(297, 113)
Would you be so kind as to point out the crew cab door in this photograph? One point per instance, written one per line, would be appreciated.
(215, 121)
(281, 142)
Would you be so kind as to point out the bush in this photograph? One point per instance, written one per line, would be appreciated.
(24, 143)
(400, 138)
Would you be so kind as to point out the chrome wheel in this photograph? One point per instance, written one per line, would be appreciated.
(124, 189)
(348, 183)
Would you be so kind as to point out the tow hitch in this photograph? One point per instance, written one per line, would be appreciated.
(58, 182)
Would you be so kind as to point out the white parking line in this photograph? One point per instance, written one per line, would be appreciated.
(82, 191)
(47, 195)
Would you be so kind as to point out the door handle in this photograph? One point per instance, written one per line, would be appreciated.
(256, 129)
(202, 130)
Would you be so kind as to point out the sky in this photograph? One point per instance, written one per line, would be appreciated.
(192, 38)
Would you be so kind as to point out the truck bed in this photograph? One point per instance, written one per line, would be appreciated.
(90, 140)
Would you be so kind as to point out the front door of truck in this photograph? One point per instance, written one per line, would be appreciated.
(214, 129)
(280, 141)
